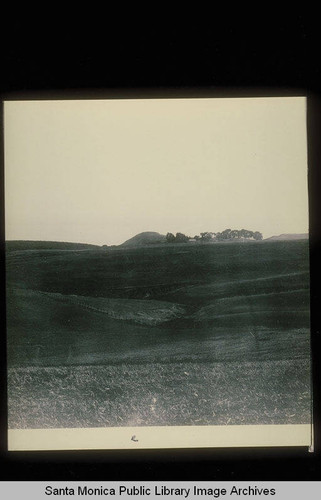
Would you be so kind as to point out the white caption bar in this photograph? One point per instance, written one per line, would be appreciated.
(159, 490)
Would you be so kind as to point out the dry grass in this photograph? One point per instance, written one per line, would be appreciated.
(266, 392)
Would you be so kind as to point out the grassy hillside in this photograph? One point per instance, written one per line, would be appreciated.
(172, 293)
(137, 320)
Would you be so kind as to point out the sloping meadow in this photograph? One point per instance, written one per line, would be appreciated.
(141, 318)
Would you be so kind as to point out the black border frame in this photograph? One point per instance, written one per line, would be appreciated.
(259, 64)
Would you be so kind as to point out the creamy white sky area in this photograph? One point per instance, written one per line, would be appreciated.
(101, 171)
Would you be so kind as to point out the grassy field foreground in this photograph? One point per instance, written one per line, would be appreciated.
(160, 394)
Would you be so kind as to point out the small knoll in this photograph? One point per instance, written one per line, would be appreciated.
(288, 237)
(15, 245)
(143, 239)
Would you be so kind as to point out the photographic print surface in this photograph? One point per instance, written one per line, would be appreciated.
(157, 263)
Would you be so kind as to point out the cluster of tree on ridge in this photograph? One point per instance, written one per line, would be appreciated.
(226, 235)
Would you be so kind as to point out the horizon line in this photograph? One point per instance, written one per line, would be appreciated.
(119, 244)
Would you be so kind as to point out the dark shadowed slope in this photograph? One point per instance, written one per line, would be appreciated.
(145, 238)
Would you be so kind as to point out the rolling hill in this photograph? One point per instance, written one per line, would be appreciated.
(143, 239)
(288, 237)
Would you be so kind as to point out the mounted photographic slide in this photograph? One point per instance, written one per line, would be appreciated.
(157, 261)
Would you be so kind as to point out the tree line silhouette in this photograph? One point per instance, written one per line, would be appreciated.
(207, 236)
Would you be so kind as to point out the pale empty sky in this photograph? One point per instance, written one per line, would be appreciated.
(101, 171)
